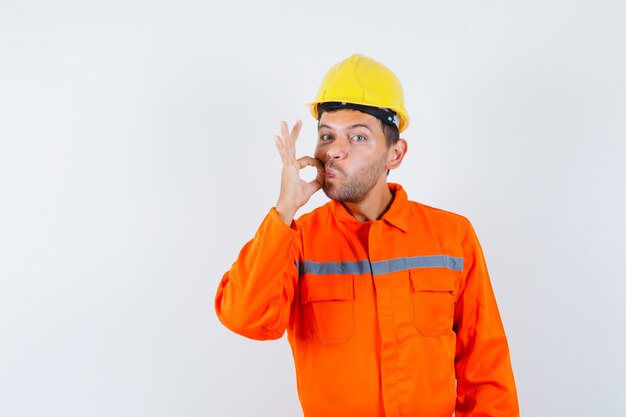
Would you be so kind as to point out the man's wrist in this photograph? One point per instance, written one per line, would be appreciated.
(286, 215)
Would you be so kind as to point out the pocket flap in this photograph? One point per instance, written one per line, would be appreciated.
(433, 279)
(326, 287)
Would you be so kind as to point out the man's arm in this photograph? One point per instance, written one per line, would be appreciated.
(485, 384)
(254, 298)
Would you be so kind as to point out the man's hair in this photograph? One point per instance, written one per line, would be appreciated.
(392, 134)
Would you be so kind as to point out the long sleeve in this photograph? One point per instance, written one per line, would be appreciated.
(485, 383)
(254, 297)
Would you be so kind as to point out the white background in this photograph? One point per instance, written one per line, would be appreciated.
(137, 157)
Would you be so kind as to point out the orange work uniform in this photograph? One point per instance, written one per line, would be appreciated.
(394, 317)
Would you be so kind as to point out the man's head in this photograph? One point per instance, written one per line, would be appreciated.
(360, 112)
(356, 154)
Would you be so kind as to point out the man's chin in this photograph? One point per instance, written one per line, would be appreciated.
(327, 188)
(332, 192)
(338, 194)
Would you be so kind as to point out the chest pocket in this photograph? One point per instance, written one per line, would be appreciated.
(327, 308)
(433, 300)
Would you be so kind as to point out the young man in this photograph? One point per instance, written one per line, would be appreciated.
(387, 303)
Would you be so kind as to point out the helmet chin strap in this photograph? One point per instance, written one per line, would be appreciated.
(387, 116)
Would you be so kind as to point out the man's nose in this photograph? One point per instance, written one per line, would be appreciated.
(337, 150)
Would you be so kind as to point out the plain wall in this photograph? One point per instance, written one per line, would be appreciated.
(137, 157)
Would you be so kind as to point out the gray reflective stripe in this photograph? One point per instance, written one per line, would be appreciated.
(380, 267)
(402, 264)
(322, 268)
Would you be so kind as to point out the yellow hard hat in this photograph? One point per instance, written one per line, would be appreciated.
(363, 81)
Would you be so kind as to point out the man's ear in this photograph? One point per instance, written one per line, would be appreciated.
(396, 153)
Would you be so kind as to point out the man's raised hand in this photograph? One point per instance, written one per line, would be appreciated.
(294, 191)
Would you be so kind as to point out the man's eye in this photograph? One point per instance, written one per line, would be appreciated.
(359, 138)
(325, 138)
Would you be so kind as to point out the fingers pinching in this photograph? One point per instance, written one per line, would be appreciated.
(306, 161)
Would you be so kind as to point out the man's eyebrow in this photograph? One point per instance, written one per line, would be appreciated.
(322, 126)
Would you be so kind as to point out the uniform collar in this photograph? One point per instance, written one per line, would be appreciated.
(396, 216)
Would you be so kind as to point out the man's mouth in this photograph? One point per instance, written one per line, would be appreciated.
(332, 171)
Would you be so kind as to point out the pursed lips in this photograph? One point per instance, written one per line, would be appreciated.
(331, 171)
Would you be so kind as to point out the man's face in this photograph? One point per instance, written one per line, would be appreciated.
(352, 147)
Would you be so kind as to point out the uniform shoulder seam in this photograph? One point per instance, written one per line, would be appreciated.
(442, 211)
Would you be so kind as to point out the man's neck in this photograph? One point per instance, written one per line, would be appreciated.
(373, 206)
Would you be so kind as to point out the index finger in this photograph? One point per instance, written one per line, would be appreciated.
(312, 162)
